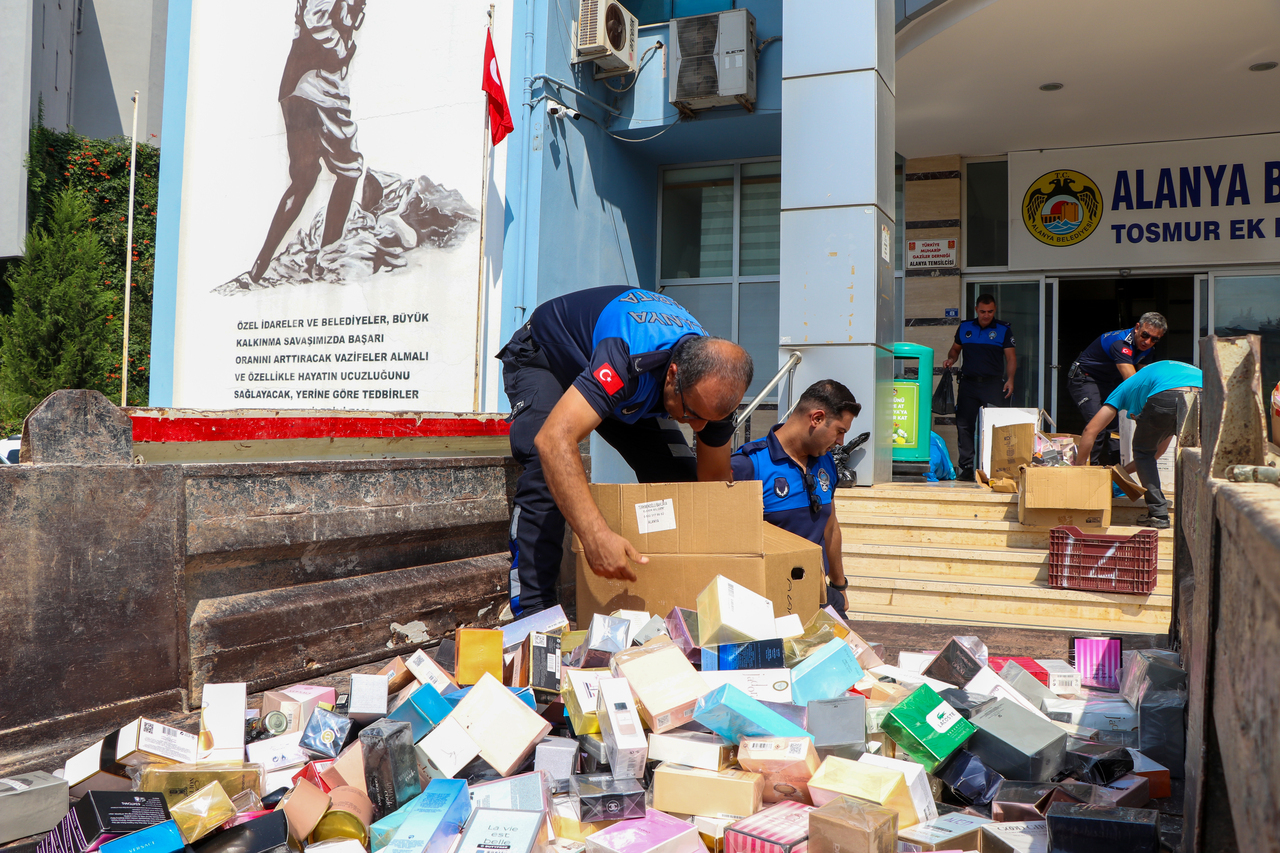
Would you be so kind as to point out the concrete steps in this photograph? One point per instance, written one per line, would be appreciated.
(956, 554)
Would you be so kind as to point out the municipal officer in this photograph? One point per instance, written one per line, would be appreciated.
(1112, 358)
(799, 475)
(1164, 401)
(629, 364)
(989, 356)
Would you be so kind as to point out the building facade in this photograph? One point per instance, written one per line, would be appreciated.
(80, 60)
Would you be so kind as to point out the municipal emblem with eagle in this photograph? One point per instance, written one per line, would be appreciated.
(1062, 208)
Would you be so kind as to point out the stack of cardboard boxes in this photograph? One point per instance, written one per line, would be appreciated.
(743, 718)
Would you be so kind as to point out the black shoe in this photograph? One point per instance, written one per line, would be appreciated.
(1159, 522)
(965, 475)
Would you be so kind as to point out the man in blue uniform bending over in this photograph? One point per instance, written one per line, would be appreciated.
(989, 360)
(628, 364)
(1111, 359)
(1164, 400)
(799, 476)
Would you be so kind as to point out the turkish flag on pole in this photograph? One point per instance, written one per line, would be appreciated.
(500, 123)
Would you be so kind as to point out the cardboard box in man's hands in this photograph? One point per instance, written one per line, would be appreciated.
(692, 532)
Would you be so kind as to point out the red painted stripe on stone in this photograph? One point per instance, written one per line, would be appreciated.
(260, 429)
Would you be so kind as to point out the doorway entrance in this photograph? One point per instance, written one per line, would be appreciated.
(1087, 307)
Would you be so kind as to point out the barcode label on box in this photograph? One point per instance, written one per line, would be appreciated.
(655, 516)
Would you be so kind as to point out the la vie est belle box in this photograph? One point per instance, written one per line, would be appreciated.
(692, 532)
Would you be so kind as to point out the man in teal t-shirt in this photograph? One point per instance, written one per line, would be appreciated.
(1163, 399)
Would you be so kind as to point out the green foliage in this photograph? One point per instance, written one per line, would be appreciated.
(59, 334)
(96, 171)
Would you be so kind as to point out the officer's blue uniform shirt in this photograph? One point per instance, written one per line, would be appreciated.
(786, 500)
(1100, 358)
(984, 348)
(614, 345)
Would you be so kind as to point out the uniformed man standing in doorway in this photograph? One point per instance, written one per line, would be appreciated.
(1111, 359)
(986, 377)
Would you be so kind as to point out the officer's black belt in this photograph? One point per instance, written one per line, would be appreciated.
(973, 377)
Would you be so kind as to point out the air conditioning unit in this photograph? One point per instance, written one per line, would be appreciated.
(714, 60)
(607, 34)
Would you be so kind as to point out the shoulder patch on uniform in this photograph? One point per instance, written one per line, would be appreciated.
(1126, 350)
(781, 487)
(608, 379)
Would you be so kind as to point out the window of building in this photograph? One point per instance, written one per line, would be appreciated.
(986, 225)
(719, 255)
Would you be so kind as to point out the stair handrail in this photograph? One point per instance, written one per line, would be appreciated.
(792, 361)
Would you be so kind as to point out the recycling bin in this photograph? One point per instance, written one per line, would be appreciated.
(912, 402)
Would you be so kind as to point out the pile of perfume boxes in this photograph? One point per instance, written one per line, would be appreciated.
(712, 729)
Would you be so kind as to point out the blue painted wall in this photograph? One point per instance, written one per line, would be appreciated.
(582, 196)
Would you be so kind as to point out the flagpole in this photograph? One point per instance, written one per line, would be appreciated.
(484, 203)
(128, 258)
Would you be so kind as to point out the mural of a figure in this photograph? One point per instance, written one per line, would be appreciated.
(395, 216)
(315, 98)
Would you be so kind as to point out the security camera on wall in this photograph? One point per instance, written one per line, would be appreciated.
(559, 110)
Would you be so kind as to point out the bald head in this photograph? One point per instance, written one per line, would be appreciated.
(720, 369)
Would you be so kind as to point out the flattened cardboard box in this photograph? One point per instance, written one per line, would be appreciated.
(719, 530)
(1079, 496)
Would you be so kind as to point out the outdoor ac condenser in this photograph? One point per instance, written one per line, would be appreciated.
(607, 34)
(713, 60)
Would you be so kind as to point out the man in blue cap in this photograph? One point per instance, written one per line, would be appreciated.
(628, 364)
(1164, 400)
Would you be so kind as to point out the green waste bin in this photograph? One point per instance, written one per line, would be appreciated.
(912, 402)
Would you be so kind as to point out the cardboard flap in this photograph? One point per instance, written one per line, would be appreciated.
(701, 518)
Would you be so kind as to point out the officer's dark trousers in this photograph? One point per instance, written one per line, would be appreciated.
(654, 448)
(975, 392)
(1165, 414)
(1089, 396)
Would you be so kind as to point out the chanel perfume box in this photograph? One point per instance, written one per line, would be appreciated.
(601, 797)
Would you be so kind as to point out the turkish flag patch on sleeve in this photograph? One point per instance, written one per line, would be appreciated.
(1126, 350)
(608, 378)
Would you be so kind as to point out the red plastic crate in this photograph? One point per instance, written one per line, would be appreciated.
(1097, 562)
